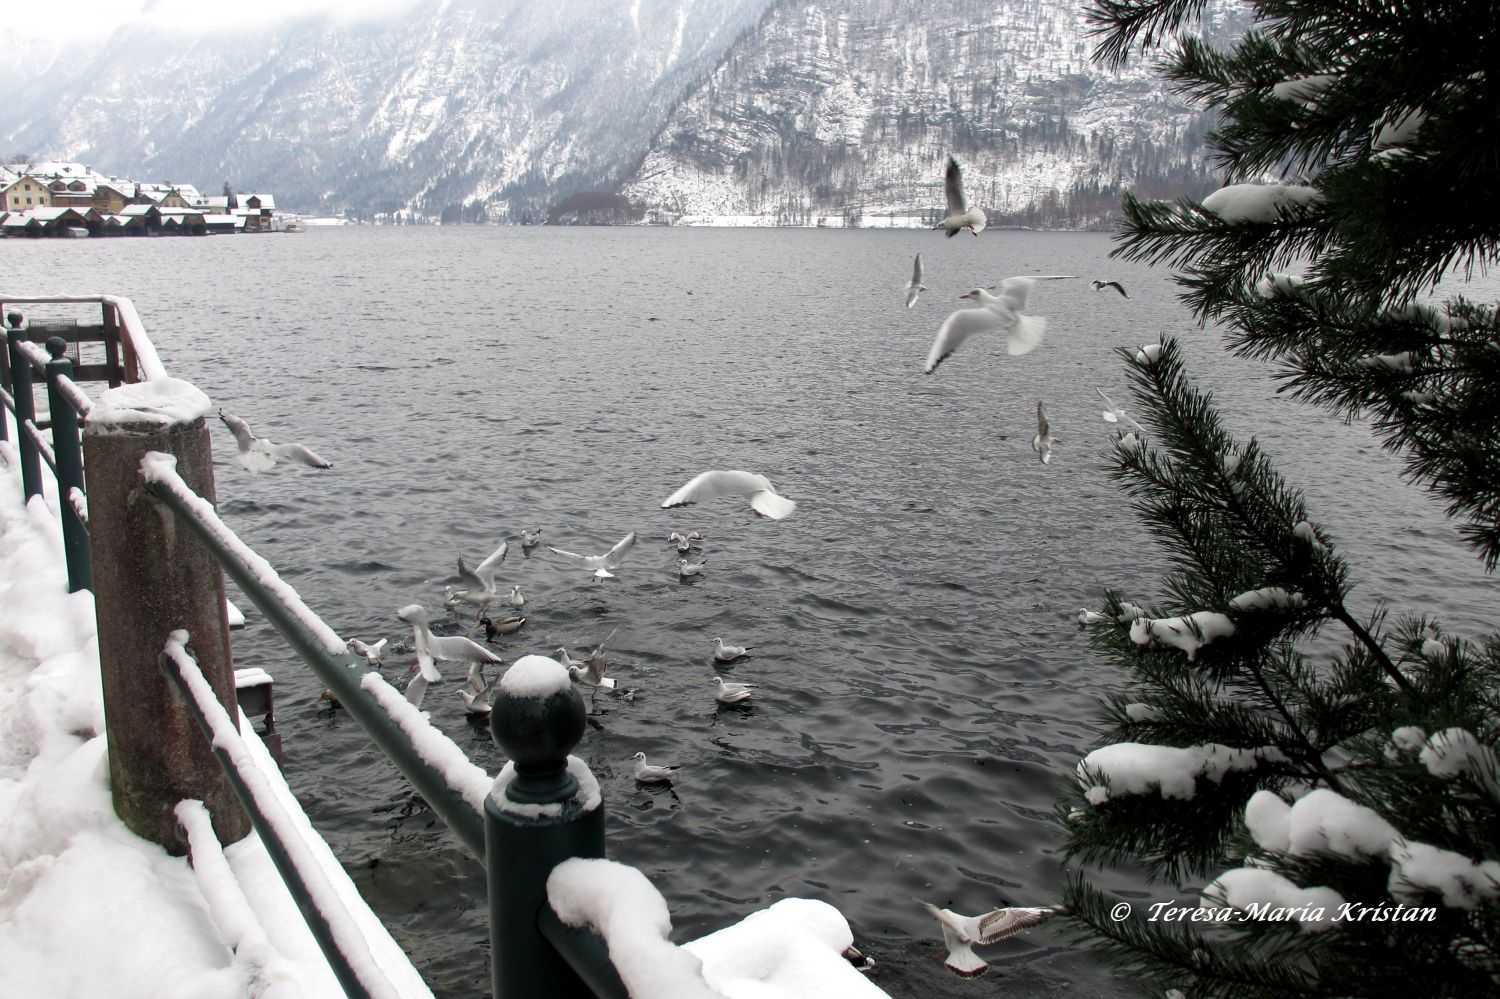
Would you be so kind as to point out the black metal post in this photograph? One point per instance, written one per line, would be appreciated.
(20, 378)
(522, 848)
(68, 453)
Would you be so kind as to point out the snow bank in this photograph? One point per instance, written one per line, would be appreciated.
(792, 950)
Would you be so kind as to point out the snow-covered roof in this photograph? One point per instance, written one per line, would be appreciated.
(220, 202)
(222, 220)
(140, 210)
(266, 200)
(53, 213)
(180, 213)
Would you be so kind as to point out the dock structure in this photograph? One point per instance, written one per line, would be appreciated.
(131, 500)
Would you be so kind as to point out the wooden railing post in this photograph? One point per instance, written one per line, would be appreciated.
(151, 578)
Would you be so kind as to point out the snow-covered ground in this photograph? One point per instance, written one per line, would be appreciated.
(87, 908)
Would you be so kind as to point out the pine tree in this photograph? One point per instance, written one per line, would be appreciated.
(1360, 147)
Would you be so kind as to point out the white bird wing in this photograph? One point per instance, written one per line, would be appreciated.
(711, 485)
(415, 688)
(957, 328)
(953, 188)
(916, 272)
(1042, 427)
(379, 647)
(769, 503)
(572, 558)
(1014, 292)
(458, 647)
(599, 649)
(476, 583)
(487, 567)
(241, 430)
(1116, 414)
(1001, 923)
(617, 554)
(301, 454)
(1026, 335)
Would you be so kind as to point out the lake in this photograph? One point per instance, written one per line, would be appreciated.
(924, 690)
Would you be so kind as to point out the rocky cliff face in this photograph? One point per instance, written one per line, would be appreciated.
(850, 107)
(498, 109)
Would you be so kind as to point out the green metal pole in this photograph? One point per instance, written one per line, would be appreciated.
(522, 848)
(20, 377)
(69, 455)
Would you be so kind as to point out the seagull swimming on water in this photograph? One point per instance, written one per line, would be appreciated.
(995, 312)
(728, 653)
(686, 568)
(647, 773)
(960, 933)
(764, 499)
(960, 215)
(599, 565)
(1098, 285)
(684, 542)
(915, 285)
(1043, 441)
(732, 693)
(259, 453)
(530, 539)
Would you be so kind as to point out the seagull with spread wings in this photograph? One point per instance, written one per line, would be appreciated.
(961, 933)
(764, 499)
(915, 286)
(259, 453)
(599, 565)
(960, 215)
(1000, 313)
(1043, 441)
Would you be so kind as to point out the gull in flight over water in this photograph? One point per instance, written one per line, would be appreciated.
(995, 312)
(258, 453)
(1114, 414)
(764, 499)
(591, 670)
(915, 286)
(648, 773)
(960, 933)
(960, 215)
(599, 565)
(478, 695)
(430, 646)
(1098, 285)
(479, 582)
(728, 653)
(732, 693)
(1043, 441)
(372, 653)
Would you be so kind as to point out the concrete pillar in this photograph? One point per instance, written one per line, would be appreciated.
(151, 577)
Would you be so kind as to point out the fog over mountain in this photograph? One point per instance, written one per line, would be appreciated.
(498, 109)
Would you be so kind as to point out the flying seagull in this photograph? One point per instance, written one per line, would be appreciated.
(764, 499)
(479, 582)
(960, 933)
(1114, 414)
(478, 695)
(915, 285)
(599, 565)
(259, 453)
(591, 670)
(960, 215)
(996, 312)
(1098, 285)
(454, 647)
(372, 653)
(1043, 441)
(646, 773)
(732, 693)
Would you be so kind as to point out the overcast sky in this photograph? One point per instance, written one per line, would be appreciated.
(99, 17)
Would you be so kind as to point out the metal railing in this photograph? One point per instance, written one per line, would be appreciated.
(519, 830)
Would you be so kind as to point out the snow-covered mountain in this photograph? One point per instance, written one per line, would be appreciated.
(501, 108)
(852, 106)
(464, 102)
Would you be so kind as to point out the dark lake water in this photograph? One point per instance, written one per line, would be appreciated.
(924, 690)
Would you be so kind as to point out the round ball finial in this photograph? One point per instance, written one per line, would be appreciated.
(15, 319)
(57, 347)
(536, 720)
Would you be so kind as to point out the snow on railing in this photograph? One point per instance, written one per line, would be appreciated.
(132, 330)
(80, 504)
(298, 867)
(431, 744)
